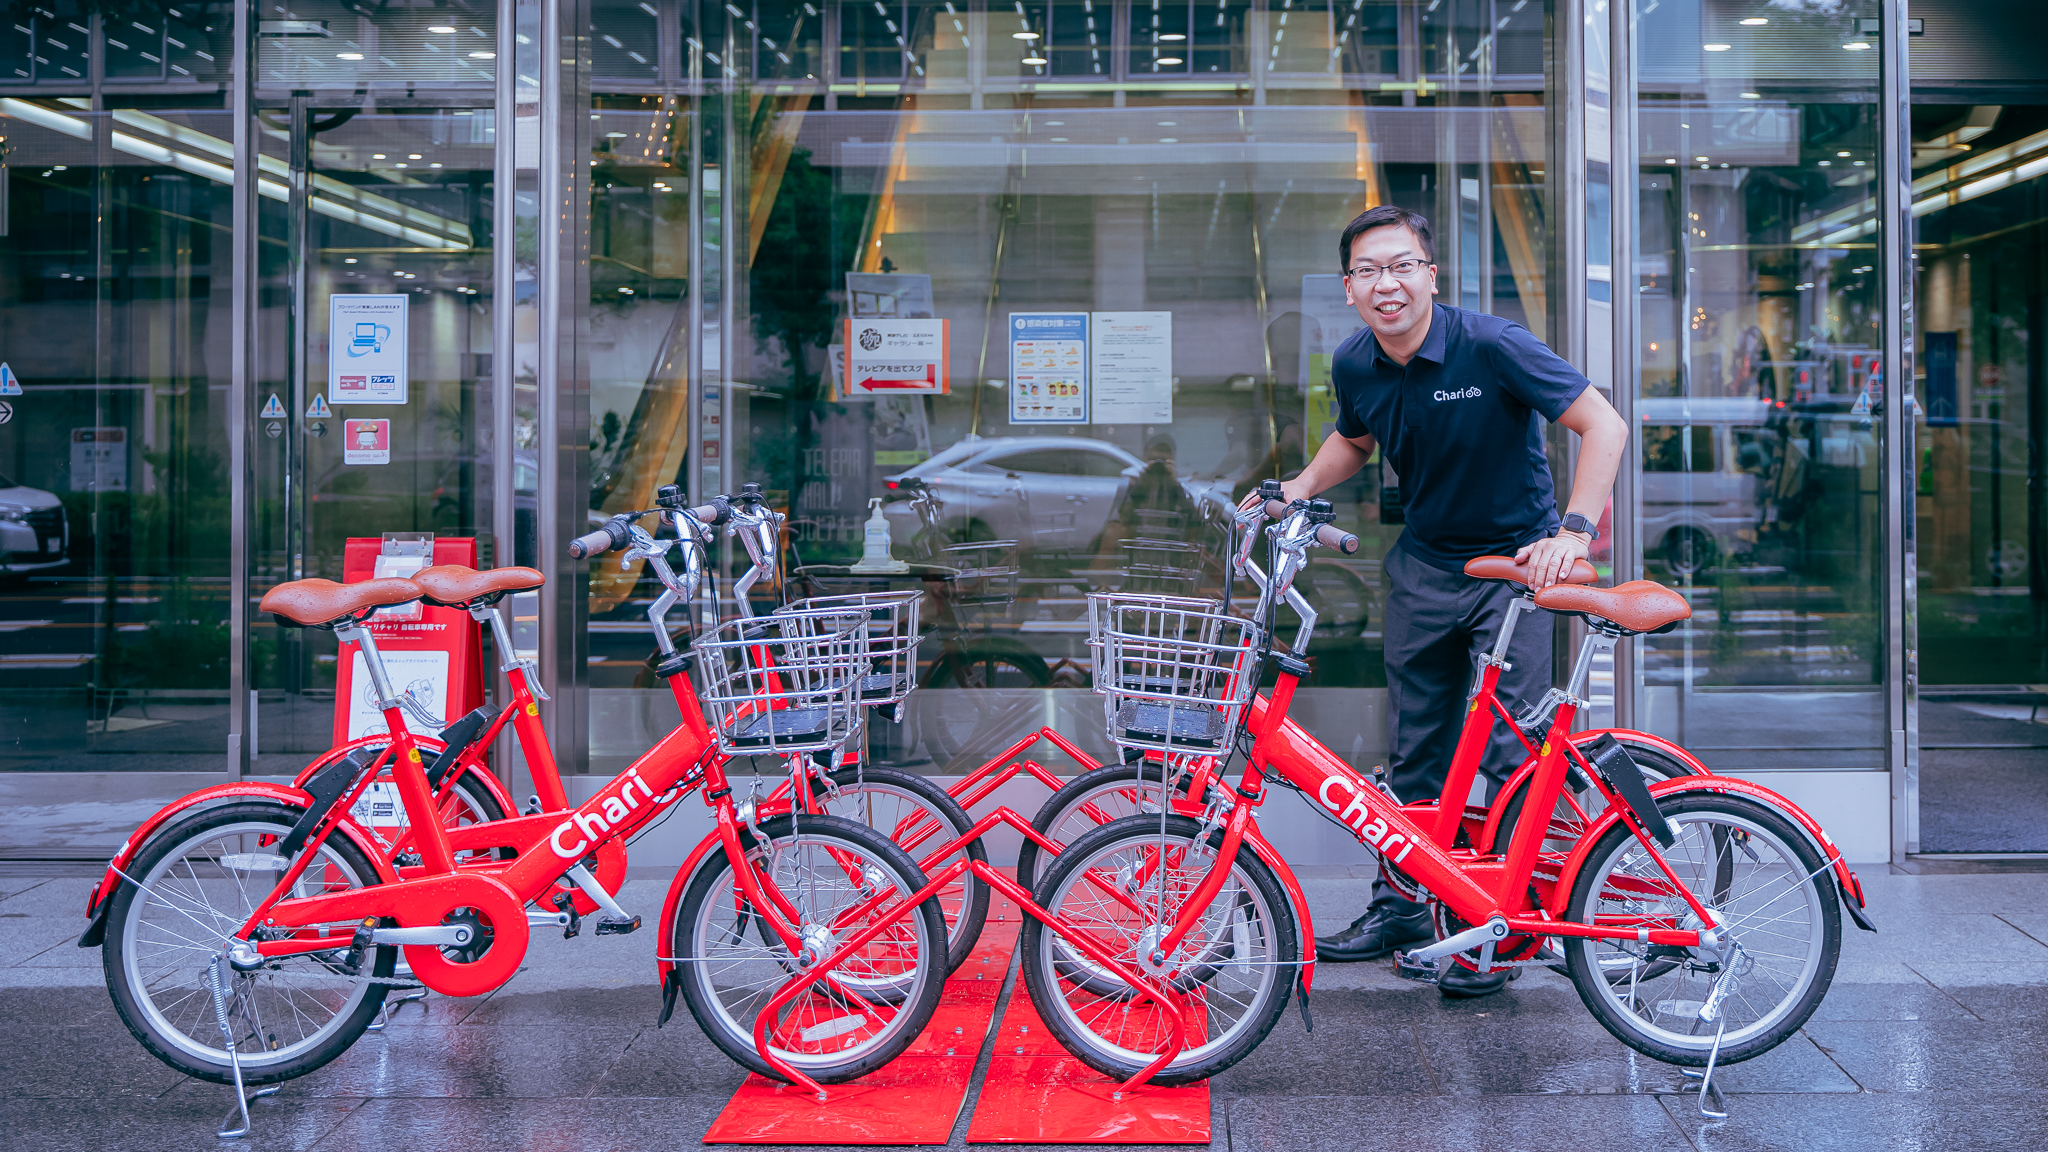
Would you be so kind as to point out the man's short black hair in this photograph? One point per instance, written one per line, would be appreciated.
(1386, 216)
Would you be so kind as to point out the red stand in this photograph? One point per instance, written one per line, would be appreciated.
(1036, 1093)
(439, 646)
(915, 1098)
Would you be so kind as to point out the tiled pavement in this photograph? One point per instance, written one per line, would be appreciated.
(1935, 1036)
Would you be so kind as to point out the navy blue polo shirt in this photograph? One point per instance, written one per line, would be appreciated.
(1460, 425)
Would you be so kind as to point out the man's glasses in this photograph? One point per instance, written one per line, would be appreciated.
(1402, 270)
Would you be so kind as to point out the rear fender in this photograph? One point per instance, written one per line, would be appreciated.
(102, 894)
(1850, 889)
(1626, 736)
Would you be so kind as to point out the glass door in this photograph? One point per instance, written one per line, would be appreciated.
(375, 367)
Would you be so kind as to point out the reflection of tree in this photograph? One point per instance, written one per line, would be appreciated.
(798, 263)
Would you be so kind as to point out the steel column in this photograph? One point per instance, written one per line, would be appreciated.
(241, 385)
(1626, 523)
(1895, 246)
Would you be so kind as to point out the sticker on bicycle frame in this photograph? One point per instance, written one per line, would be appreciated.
(533, 709)
(379, 807)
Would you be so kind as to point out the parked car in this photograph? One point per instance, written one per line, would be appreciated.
(1048, 493)
(34, 533)
(1702, 462)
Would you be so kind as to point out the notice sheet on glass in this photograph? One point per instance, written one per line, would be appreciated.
(1048, 367)
(1130, 367)
(366, 348)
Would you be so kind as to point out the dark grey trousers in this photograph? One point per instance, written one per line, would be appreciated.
(1436, 624)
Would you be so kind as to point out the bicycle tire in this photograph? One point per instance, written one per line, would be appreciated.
(713, 889)
(1687, 812)
(259, 1065)
(1063, 804)
(966, 918)
(1254, 882)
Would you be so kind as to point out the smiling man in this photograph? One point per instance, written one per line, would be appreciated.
(1457, 401)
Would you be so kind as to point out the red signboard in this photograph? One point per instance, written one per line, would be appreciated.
(431, 653)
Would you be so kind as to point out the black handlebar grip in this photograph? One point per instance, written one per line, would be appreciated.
(609, 536)
(1331, 536)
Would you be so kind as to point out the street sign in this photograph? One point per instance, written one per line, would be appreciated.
(273, 429)
(272, 409)
(10, 385)
(6, 411)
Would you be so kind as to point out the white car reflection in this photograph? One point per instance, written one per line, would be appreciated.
(1048, 493)
(34, 533)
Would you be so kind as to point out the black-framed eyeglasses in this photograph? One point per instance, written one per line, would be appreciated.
(1402, 270)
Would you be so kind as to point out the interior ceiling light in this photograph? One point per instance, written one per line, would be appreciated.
(376, 156)
(1753, 22)
(348, 55)
(483, 55)
(1171, 36)
(1856, 46)
(1701, 159)
(1715, 47)
(417, 156)
(1165, 61)
(1841, 153)
(442, 30)
(1023, 35)
(615, 135)
(1752, 95)
(1035, 60)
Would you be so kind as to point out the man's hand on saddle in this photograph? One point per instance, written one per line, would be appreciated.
(1549, 559)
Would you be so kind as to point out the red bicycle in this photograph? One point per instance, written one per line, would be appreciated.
(289, 916)
(1700, 922)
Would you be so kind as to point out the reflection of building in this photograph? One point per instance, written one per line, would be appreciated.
(739, 181)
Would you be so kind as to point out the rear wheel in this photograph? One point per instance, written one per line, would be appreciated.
(1229, 977)
(862, 1015)
(921, 818)
(1765, 887)
(204, 876)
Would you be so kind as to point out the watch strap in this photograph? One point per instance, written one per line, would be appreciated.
(1573, 522)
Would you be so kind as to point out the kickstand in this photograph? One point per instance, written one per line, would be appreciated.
(216, 976)
(391, 1006)
(1711, 1013)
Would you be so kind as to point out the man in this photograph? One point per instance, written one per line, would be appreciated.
(1456, 400)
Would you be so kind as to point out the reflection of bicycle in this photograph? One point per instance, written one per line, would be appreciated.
(973, 585)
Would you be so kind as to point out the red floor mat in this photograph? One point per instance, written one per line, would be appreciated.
(916, 1098)
(1037, 1094)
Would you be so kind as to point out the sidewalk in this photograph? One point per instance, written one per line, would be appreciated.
(1934, 1036)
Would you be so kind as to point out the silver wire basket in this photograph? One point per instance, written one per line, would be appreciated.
(1175, 673)
(786, 683)
(893, 636)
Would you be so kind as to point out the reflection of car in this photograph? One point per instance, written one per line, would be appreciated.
(1702, 462)
(33, 532)
(1049, 493)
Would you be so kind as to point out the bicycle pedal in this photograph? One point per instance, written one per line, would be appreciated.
(1407, 969)
(618, 927)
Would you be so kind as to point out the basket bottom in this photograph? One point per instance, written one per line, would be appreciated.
(1194, 726)
(787, 727)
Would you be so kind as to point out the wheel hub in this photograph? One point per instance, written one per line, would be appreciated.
(818, 943)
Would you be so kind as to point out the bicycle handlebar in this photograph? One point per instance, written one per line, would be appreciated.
(611, 534)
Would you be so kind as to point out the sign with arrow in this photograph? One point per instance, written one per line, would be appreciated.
(10, 385)
(894, 358)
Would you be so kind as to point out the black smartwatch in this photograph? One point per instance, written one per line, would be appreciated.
(1573, 522)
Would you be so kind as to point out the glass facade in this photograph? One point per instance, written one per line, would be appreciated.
(1114, 223)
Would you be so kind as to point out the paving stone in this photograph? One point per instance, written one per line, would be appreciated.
(1493, 1123)
(1940, 1055)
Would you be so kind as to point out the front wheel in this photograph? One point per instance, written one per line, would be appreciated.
(1123, 886)
(1775, 904)
(1089, 801)
(732, 962)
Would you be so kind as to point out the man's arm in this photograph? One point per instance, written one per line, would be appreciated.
(1602, 438)
(1338, 460)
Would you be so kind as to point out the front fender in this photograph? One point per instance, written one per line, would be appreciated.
(96, 904)
(674, 899)
(1264, 850)
(1850, 889)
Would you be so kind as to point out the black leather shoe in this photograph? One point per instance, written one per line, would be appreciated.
(1374, 935)
(1461, 983)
